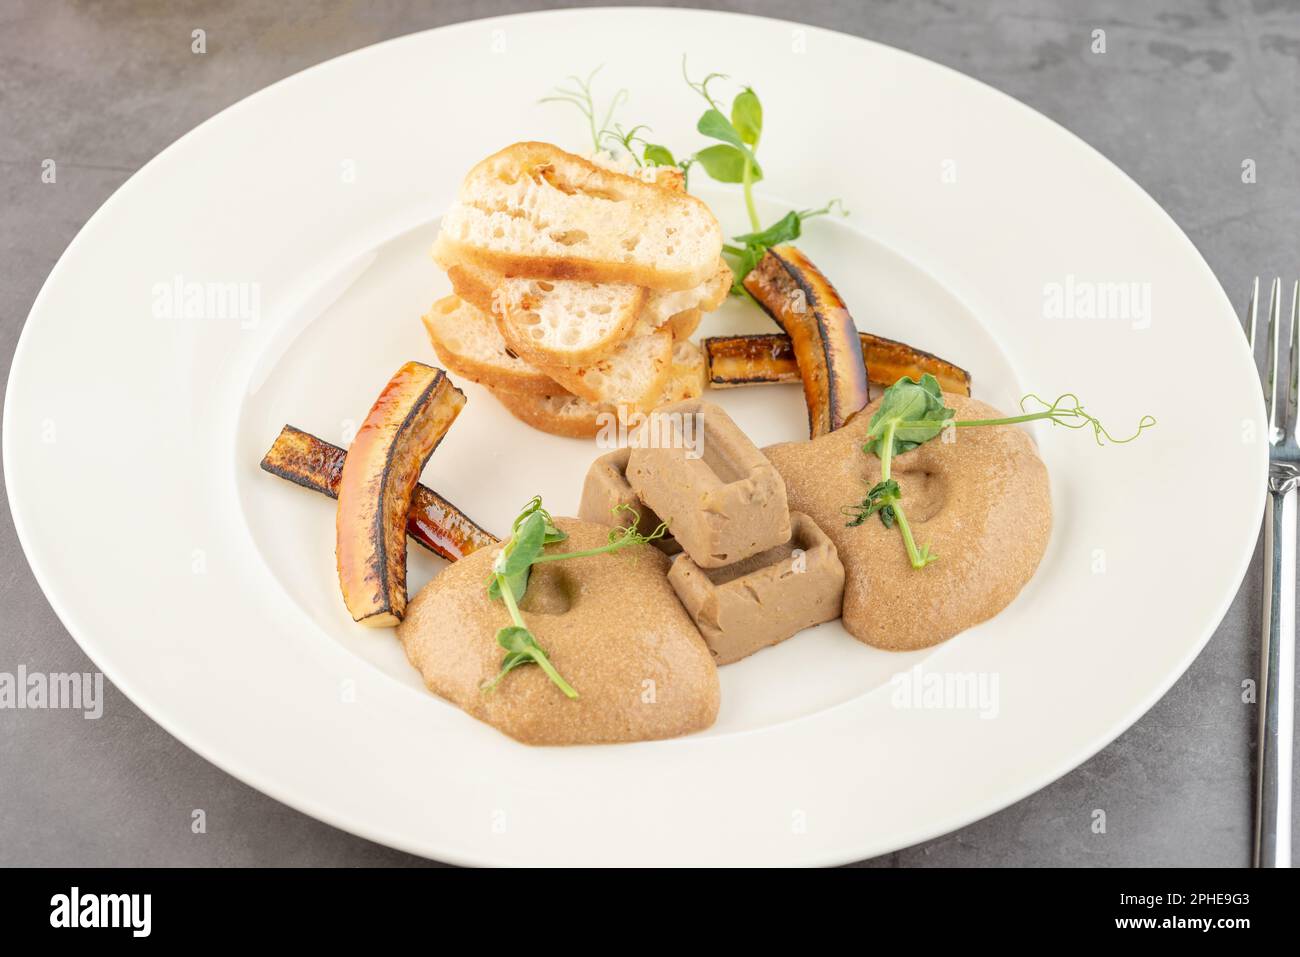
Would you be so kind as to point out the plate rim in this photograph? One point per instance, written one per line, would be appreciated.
(304, 802)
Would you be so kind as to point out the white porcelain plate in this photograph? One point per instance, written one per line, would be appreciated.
(137, 412)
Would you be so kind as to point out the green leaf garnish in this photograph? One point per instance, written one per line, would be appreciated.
(724, 163)
(603, 131)
(731, 159)
(737, 165)
(747, 116)
(878, 502)
(514, 562)
(522, 649)
(657, 155)
(912, 412)
(532, 530)
(784, 230)
(787, 229)
(717, 127)
(886, 498)
(742, 260)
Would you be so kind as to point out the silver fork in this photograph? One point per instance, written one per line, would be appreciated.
(1277, 652)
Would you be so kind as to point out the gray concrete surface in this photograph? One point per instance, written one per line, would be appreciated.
(1185, 93)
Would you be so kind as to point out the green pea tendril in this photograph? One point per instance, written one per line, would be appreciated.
(530, 533)
(912, 412)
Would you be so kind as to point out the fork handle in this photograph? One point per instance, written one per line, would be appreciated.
(1277, 690)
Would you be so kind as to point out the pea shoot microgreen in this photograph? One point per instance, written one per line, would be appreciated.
(912, 412)
(1066, 411)
(605, 132)
(534, 529)
(747, 249)
(628, 139)
(579, 93)
(731, 159)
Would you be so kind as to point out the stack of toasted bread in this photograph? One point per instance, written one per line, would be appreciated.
(578, 283)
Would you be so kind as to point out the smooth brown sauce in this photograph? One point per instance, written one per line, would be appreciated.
(610, 624)
(982, 502)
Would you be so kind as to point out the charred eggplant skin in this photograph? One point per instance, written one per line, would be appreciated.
(827, 349)
(768, 359)
(760, 358)
(433, 522)
(402, 429)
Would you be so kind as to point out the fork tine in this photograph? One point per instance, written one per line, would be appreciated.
(1275, 432)
(1252, 315)
(1293, 376)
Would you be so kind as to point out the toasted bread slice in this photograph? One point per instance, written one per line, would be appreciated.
(534, 210)
(575, 417)
(665, 177)
(706, 297)
(474, 284)
(568, 323)
(565, 415)
(477, 284)
(633, 375)
(514, 299)
(563, 322)
(468, 344)
(684, 324)
(687, 379)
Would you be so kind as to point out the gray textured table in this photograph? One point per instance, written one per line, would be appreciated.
(1184, 94)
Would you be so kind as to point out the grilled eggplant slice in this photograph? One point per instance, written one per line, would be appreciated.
(379, 476)
(435, 523)
(769, 358)
(825, 341)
